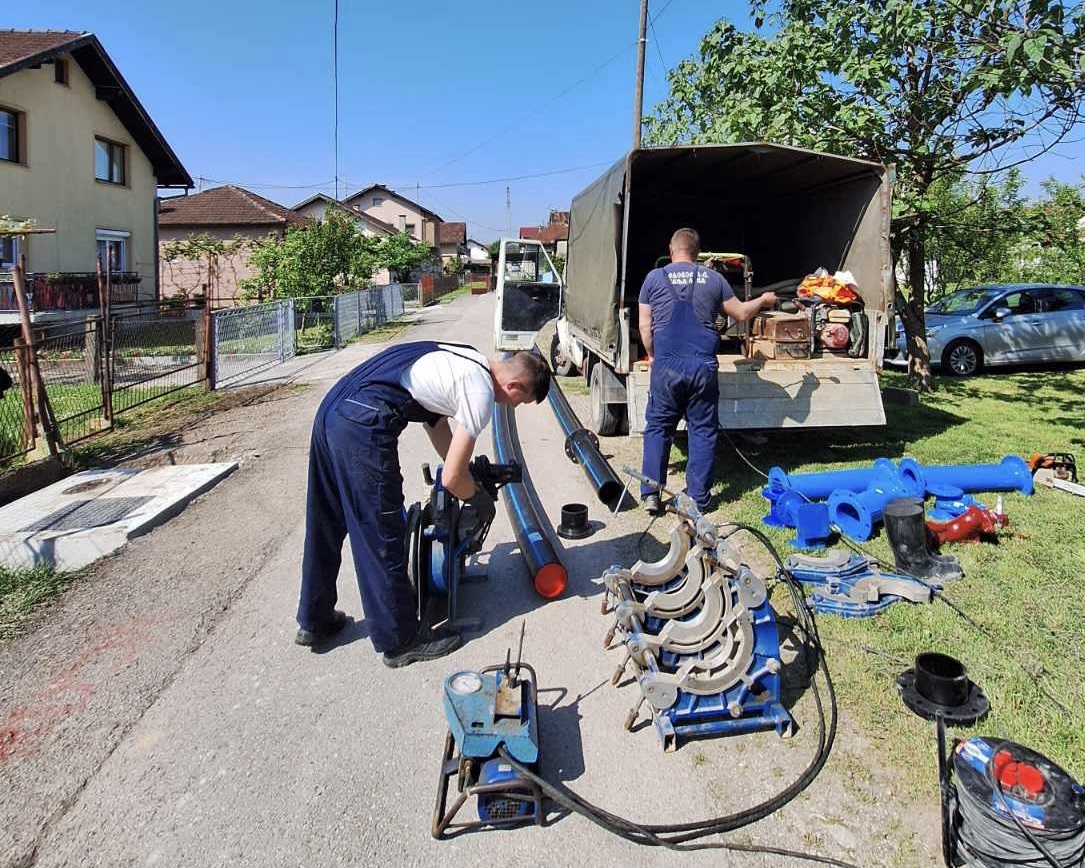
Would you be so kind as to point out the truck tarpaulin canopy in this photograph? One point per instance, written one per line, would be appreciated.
(790, 210)
(595, 230)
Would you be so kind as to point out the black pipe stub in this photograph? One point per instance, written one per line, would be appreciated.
(574, 522)
(939, 685)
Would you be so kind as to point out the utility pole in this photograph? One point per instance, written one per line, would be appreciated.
(335, 79)
(508, 209)
(638, 97)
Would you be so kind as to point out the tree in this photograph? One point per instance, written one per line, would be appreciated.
(206, 252)
(939, 88)
(323, 257)
(401, 255)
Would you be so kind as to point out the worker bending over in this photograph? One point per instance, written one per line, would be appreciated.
(356, 489)
(678, 307)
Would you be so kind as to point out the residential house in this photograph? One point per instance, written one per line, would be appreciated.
(316, 207)
(393, 208)
(477, 252)
(554, 235)
(228, 214)
(78, 154)
(452, 243)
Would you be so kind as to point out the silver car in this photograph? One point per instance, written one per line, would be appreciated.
(1004, 324)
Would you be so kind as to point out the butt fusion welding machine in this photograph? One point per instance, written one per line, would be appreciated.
(443, 532)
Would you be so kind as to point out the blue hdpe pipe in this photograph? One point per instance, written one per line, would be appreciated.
(856, 512)
(1010, 474)
(525, 513)
(821, 484)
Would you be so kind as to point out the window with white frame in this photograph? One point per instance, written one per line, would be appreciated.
(9, 252)
(113, 249)
(109, 159)
(11, 134)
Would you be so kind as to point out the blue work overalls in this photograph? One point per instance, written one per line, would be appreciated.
(684, 382)
(356, 488)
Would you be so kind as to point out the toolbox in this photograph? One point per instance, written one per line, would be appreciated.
(766, 348)
(781, 327)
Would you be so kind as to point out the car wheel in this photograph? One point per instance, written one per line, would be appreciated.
(962, 358)
(561, 366)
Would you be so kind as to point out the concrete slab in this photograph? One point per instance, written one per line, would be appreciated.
(87, 516)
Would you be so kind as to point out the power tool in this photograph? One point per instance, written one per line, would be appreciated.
(492, 714)
(443, 532)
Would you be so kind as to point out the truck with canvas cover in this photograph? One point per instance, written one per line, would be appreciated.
(769, 216)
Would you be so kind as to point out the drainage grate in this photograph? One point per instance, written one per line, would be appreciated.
(83, 514)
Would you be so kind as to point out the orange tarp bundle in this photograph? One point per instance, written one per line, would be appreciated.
(827, 288)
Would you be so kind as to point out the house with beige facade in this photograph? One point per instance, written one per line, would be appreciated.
(315, 207)
(395, 209)
(79, 154)
(231, 215)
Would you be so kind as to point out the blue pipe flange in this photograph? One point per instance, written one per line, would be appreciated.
(822, 483)
(856, 513)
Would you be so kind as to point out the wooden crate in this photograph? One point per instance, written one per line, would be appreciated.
(785, 327)
(766, 348)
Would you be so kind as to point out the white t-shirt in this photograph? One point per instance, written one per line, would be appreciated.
(455, 382)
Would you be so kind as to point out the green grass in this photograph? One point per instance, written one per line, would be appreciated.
(387, 331)
(454, 294)
(23, 590)
(1026, 590)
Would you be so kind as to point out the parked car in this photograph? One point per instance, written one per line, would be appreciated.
(1004, 324)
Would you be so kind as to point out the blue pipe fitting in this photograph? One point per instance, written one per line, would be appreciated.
(783, 507)
(812, 527)
(1010, 474)
(820, 484)
(856, 513)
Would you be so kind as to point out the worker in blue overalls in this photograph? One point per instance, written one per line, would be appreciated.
(356, 489)
(678, 307)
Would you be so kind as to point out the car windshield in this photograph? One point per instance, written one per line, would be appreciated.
(964, 301)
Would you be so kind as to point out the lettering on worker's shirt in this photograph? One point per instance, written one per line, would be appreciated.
(685, 278)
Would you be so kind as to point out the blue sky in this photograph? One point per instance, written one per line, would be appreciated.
(431, 93)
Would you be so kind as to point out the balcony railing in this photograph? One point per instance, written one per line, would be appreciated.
(68, 290)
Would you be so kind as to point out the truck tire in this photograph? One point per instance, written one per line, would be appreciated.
(560, 365)
(606, 418)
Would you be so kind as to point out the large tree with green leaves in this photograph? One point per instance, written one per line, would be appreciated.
(937, 88)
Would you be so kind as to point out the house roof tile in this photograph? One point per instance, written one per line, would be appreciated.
(226, 206)
(546, 234)
(451, 233)
(23, 49)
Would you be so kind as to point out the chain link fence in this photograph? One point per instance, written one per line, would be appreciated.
(248, 339)
(153, 354)
(362, 310)
(314, 322)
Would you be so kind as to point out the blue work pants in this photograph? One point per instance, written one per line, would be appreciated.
(683, 386)
(356, 489)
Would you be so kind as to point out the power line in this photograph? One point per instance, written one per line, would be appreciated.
(655, 39)
(553, 99)
(512, 177)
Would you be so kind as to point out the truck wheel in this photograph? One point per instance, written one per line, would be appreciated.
(606, 418)
(560, 365)
(962, 358)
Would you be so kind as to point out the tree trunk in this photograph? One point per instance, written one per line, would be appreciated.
(912, 312)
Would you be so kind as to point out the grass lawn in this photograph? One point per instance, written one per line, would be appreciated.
(1026, 590)
(21, 590)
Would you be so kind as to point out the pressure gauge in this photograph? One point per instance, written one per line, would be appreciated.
(465, 683)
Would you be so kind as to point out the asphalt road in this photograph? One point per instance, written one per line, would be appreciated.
(160, 714)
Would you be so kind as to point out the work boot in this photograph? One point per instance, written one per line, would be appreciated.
(907, 535)
(652, 504)
(324, 633)
(427, 644)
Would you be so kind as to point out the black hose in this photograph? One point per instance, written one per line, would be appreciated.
(522, 505)
(582, 447)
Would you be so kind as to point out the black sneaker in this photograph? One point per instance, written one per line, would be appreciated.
(427, 644)
(321, 634)
(651, 503)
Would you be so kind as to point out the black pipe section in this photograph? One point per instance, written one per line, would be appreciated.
(521, 502)
(582, 447)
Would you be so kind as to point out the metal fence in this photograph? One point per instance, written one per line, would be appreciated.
(360, 311)
(16, 432)
(248, 339)
(314, 323)
(71, 369)
(154, 355)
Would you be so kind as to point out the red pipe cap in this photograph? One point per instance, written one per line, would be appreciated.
(550, 580)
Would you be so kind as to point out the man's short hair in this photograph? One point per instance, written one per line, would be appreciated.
(687, 240)
(535, 373)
